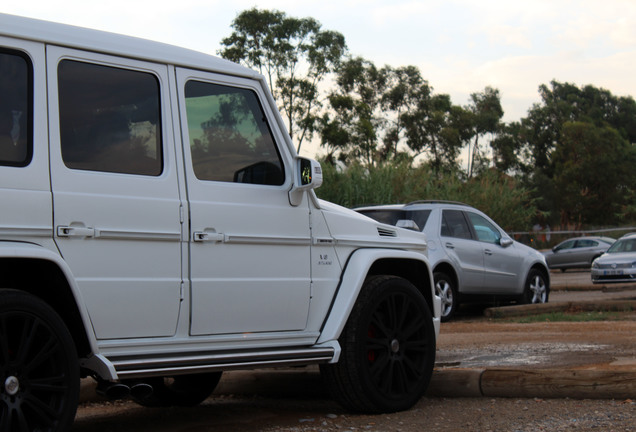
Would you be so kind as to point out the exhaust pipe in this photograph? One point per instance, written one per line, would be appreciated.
(141, 390)
(112, 390)
(117, 390)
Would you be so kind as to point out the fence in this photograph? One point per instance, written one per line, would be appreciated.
(546, 238)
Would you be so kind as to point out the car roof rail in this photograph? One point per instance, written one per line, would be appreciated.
(438, 202)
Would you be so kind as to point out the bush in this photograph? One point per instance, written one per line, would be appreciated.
(498, 195)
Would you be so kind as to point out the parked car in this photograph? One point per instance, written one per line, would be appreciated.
(473, 259)
(618, 264)
(578, 252)
(157, 227)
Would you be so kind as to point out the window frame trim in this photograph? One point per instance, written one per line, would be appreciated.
(30, 107)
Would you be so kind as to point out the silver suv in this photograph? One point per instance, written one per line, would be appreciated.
(473, 259)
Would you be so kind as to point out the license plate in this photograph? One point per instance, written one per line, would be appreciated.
(612, 272)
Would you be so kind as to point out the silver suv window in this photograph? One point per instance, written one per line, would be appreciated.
(454, 224)
(485, 231)
(16, 108)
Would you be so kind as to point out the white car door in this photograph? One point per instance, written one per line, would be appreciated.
(249, 248)
(117, 209)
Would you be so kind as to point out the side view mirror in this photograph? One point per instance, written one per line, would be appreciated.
(505, 241)
(307, 176)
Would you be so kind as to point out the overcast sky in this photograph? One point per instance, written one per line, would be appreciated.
(460, 46)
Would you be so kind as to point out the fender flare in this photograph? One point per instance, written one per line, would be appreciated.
(19, 250)
(354, 275)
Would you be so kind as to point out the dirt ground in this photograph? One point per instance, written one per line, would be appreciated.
(303, 414)
(477, 342)
(471, 341)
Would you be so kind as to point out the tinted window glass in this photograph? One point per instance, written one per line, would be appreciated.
(454, 224)
(230, 139)
(16, 108)
(485, 231)
(109, 119)
(566, 245)
(623, 245)
(391, 217)
(586, 243)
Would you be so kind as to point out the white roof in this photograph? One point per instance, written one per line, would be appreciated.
(116, 44)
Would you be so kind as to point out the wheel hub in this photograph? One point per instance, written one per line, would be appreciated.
(395, 346)
(11, 385)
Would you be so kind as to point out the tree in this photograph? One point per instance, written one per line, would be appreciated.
(351, 128)
(394, 107)
(593, 174)
(436, 128)
(487, 113)
(506, 148)
(294, 54)
(579, 141)
(403, 88)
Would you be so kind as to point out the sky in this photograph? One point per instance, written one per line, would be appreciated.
(460, 46)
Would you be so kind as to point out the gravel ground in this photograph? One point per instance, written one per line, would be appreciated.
(258, 414)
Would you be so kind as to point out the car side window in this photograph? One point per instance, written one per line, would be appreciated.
(109, 119)
(567, 245)
(454, 224)
(16, 108)
(586, 243)
(230, 140)
(485, 231)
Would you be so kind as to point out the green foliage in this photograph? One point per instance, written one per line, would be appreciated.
(581, 147)
(487, 112)
(351, 129)
(593, 170)
(379, 115)
(499, 196)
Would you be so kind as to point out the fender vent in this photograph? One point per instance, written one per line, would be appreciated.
(385, 232)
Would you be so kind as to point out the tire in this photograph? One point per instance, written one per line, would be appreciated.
(536, 289)
(446, 290)
(39, 368)
(181, 390)
(388, 349)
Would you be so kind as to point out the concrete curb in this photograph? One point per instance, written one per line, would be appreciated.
(622, 305)
(536, 383)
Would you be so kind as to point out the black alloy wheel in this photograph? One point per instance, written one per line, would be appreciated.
(39, 369)
(388, 349)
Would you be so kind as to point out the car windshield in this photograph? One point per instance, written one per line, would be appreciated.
(392, 216)
(623, 245)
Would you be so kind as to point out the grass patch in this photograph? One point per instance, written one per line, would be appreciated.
(570, 317)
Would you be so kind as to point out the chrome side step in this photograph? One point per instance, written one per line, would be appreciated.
(180, 364)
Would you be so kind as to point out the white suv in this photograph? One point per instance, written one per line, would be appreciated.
(157, 227)
(473, 259)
